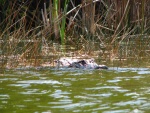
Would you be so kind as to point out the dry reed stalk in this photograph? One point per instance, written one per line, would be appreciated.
(16, 28)
(55, 19)
(123, 16)
(47, 22)
(88, 13)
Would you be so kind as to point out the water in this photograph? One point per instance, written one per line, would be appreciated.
(117, 90)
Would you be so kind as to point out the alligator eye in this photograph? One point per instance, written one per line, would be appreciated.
(56, 61)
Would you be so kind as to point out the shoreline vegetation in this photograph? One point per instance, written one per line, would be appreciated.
(34, 34)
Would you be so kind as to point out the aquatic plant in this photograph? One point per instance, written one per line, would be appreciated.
(109, 30)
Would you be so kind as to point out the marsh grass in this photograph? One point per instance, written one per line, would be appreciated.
(115, 40)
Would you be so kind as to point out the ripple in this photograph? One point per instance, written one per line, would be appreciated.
(6, 79)
(131, 94)
(137, 77)
(143, 72)
(113, 81)
(131, 102)
(100, 95)
(74, 105)
(28, 83)
(118, 69)
(34, 91)
(53, 82)
(20, 85)
(4, 96)
(62, 101)
(103, 87)
(117, 111)
(60, 94)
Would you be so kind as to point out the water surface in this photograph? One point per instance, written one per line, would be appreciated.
(117, 90)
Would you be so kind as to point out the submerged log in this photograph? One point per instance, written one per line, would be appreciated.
(78, 63)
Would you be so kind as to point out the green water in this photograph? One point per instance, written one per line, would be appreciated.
(117, 90)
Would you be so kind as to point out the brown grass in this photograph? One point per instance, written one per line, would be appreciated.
(120, 33)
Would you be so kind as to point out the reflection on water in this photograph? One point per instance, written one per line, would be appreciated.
(117, 90)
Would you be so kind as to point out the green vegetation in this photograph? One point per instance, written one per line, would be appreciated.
(33, 32)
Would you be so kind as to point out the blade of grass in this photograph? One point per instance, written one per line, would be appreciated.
(62, 29)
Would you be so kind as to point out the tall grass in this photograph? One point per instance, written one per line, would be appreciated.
(103, 34)
(57, 19)
(18, 39)
(63, 23)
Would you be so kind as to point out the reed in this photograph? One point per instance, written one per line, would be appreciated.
(119, 31)
(55, 18)
(63, 23)
(17, 42)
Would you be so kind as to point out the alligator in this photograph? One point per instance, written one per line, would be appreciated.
(78, 63)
